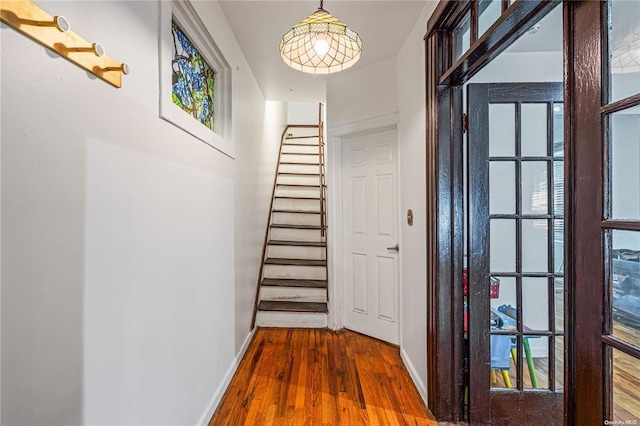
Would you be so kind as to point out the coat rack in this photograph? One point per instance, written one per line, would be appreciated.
(55, 33)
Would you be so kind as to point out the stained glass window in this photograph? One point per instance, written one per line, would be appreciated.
(192, 80)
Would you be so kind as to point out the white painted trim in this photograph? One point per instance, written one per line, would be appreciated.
(196, 30)
(417, 380)
(334, 199)
(217, 396)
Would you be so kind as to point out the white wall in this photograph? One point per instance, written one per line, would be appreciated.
(302, 113)
(378, 91)
(129, 253)
(413, 175)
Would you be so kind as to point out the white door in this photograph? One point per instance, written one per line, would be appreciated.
(370, 220)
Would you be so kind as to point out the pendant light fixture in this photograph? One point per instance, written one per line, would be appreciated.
(320, 44)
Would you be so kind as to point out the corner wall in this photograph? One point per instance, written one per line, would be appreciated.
(129, 248)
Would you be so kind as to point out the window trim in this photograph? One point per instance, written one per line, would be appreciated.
(190, 23)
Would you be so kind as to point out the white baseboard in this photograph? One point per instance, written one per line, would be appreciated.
(217, 396)
(417, 380)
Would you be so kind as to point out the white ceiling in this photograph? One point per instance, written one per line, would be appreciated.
(258, 26)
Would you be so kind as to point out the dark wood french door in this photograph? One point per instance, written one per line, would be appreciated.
(604, 125)
(515, 253)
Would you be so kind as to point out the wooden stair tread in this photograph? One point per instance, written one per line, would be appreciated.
(298, 174)
(301, 144)
(277, 306)
(296, 262)
(298, 185)
(297, 198)
(289, 226)
(287, 163)
(280, 282)
(297, 243)
(295, 211)
(300, 153)
(301, 137)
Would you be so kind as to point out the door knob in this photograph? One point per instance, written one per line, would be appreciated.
(395, 248)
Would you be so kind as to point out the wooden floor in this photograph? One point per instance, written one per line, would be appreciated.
(319, 377)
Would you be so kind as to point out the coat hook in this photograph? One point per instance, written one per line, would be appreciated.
(96, 48)
(124, 68)
(60, 22)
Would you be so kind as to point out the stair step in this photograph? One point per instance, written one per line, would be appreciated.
(294, 283)
(298, 185)
(292, 306)
(302, 144)
(286, 197)
(298, 174)
(301, 137)
(289, 226)
(295, 211)
(297, 243)
(296, 262)
(301, 153)
(286, 163)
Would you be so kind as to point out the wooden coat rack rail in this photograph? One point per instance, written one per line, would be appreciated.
(54, 32)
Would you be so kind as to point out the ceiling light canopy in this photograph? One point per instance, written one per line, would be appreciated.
(320, 44)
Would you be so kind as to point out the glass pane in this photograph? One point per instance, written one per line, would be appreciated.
(488, 12)
(502, 187)
(506, 302)
(558, 130)
(624, 49)
(625, 164)
(534, 130)
(558, 246)
(535, 304)
(503, 371)
(194, 80)
(625, 285)
(534, 245)
(535, 355)
(462, 37)
(535, 198)
(559, 363)
(502, 130)
(558, 188)
(626, 391)
(559, 302)
(503, 245)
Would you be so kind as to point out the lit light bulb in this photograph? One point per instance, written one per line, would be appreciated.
(321, 47)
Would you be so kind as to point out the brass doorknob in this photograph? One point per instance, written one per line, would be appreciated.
(395, 248)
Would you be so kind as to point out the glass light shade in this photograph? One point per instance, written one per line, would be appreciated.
(625, 56)
(320, 44)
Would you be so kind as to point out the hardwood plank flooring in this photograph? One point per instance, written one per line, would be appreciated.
(318, 377)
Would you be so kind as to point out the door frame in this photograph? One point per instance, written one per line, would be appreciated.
(445, 239)
(336, 136)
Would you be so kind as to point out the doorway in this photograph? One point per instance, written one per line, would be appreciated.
(600, 217)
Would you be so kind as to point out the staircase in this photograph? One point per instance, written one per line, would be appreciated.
(292, 287)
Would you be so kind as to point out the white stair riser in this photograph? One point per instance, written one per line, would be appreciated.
(299, 168)
(303, 131)
(307, 148)
(297, 218)
(297, 179)
(296, 204)
(297, 191)
(291, 319)
(293, 294)
(294, 158)
(295, 252)
(295, 272)
(285, 234)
